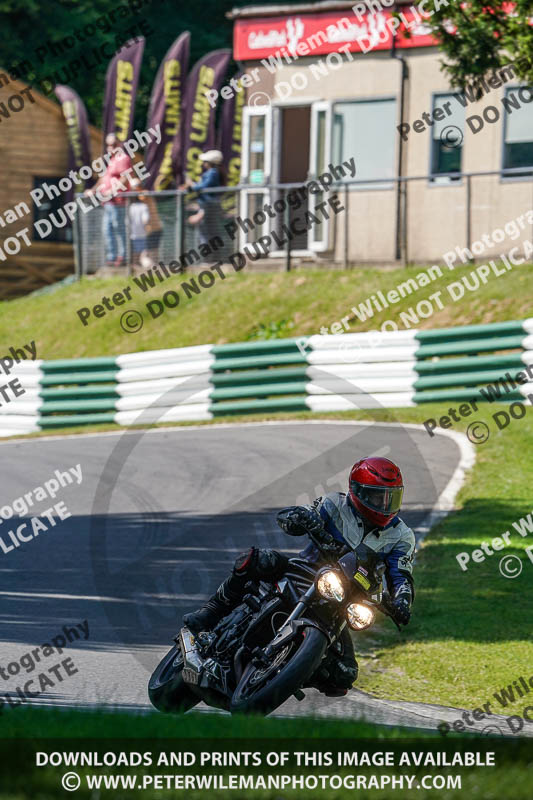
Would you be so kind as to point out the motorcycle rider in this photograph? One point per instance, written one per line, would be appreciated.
(368, 514)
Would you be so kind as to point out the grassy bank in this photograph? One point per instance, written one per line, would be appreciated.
(296, 303)
(54, 723)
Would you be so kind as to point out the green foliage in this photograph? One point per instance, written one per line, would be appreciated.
(27, 25)
(480, 36)
(272, 330)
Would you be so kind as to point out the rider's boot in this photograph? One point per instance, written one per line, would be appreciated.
(226, 598)
(252, 565)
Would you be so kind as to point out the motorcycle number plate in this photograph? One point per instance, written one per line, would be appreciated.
(365, 583)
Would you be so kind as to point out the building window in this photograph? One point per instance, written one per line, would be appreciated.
(518, 130)
(256, 169)
(447, 133)
(366, 131)
(51, 205)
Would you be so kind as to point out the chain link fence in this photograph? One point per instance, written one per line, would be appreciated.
(402, 220)
(157, 228)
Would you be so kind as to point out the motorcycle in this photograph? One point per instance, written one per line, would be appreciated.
(274, 643)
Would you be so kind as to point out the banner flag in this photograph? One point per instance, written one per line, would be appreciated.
(198, 116)
(229, 142)
(166, 111)
(230, 134)
(122, 79)
(75, 115)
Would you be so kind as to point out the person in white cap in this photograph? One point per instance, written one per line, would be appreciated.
(213, 175)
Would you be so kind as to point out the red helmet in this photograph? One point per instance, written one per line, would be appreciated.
(376, 489)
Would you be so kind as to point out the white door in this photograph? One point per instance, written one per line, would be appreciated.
(319, 158)
(256, 168)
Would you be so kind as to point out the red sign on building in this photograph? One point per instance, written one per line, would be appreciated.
(325, 32)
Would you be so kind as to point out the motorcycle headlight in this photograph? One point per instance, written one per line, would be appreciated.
(359, 616)
(330, 586)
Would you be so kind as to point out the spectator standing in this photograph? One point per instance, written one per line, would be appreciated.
(209, 202)
(115, 208)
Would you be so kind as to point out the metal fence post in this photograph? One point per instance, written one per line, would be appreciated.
(127, 226)
(180, 227)
(468, 213)
(287, 223)
(78, 266)
(346, 213)
(404, 225)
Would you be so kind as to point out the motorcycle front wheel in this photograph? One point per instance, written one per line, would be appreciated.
(262, 688)
(167, 690)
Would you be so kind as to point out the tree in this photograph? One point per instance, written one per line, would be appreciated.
(479, 36)
(43, 37)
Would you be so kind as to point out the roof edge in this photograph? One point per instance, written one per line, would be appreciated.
(48, 103)
(296, 8)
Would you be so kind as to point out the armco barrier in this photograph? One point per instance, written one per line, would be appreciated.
(317, 373)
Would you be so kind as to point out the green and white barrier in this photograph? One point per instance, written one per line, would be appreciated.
(317, 373)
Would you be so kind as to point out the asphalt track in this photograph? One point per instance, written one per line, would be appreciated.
(155, 526)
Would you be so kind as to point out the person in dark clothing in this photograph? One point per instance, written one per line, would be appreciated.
(209, 214)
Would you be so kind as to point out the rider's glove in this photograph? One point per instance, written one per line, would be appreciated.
(401, 609)
(309, 520)
(401, 604)
(300, 520)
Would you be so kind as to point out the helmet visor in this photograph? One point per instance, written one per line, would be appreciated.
(385, 499)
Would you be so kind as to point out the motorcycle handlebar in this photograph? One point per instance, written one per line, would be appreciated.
(326, 548)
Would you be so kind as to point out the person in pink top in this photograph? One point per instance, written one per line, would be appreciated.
(114, 208)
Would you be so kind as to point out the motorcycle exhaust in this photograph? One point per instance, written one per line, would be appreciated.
(192, 661)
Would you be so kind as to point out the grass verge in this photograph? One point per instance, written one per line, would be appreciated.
(234, 308)
(55, 723)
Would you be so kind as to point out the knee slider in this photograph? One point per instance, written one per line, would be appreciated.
(245, 563)
(271, 564)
